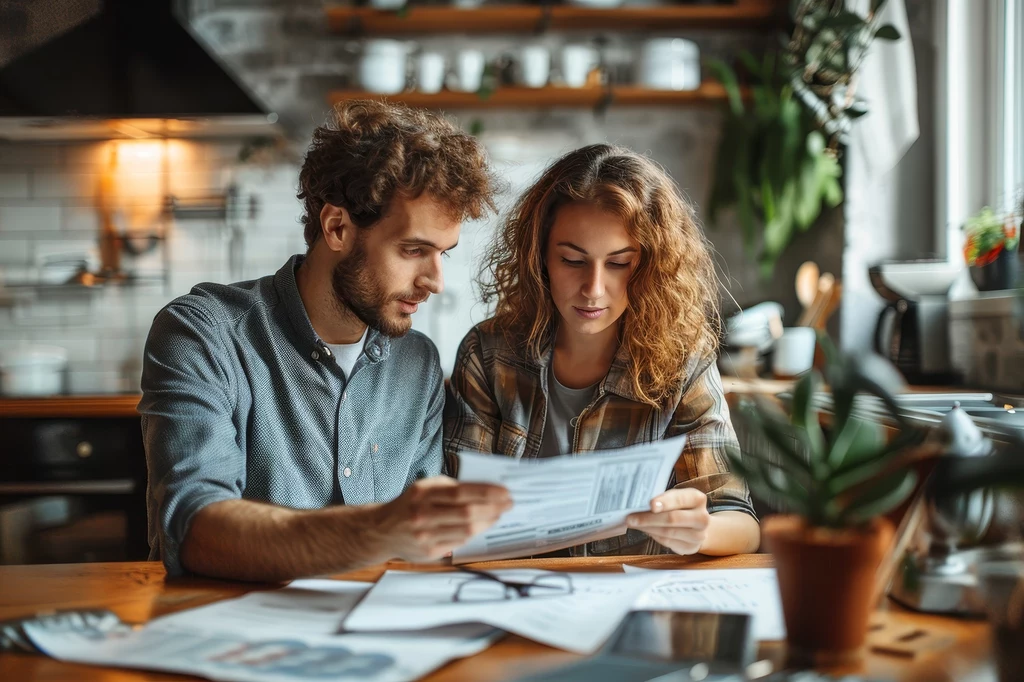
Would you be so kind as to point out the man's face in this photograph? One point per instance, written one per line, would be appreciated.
(396, 264)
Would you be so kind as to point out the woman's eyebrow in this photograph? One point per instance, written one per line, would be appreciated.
(628, 249)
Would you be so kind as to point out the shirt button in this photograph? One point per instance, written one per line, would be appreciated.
(374, 448)
(327, 351)
(347, 472)
(315, 355)
(344, 396)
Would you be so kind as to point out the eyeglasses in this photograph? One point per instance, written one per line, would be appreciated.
(482, 586)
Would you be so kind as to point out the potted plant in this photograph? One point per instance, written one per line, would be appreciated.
(834, 489)
(990, 250)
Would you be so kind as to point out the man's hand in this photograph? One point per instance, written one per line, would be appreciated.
(678, 520)
(436, 515)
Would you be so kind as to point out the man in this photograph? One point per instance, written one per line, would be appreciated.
(293, 423)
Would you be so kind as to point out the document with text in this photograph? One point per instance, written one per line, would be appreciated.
(754, 591)
(568, 500)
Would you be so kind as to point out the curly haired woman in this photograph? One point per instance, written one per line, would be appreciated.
(604, 335)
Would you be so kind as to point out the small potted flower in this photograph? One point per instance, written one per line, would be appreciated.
(833, 488)
(990, 250)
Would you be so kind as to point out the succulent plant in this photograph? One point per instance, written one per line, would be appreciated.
(843, 475)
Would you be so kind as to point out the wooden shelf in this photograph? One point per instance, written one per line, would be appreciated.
(71, 406)
(552, 96)
(742, 14)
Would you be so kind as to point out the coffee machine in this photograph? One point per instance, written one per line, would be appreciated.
(913, 327)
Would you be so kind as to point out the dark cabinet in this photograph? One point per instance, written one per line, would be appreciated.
(72, 489)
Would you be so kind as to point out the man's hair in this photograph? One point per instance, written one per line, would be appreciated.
(369, 151)
(672, 312)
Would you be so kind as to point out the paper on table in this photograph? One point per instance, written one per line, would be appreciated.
(754, 591)
(580, 621)
(305, 607)
(568, 500)
(238, 640)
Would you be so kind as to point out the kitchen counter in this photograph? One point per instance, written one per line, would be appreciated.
(120, 405)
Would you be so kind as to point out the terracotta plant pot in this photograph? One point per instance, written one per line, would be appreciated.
(827, 583)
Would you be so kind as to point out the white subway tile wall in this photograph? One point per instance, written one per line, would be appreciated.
(51, 197)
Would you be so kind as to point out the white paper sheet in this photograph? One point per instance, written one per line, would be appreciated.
(566, 501)
(754, 591)
(274, 636)
(578, 622)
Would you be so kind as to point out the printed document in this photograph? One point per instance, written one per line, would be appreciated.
(568, 500)
(579, 620)
(285, 635)
(754, 591)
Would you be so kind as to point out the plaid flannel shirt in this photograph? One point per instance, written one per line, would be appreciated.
(498, 404)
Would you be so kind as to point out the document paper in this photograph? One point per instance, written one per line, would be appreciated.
(579, 621)
(284, 635)
(754, 591)
(568, 500)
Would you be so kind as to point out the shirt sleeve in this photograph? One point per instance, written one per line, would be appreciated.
(190, 438)
(472, 419)
(703, 415)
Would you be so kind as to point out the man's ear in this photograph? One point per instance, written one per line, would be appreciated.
(339, 232)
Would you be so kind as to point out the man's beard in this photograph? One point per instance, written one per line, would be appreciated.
(361, 294)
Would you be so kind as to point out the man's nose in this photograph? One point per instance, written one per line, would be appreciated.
(433, 279)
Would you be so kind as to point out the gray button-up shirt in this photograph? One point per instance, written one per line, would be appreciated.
(242, 399)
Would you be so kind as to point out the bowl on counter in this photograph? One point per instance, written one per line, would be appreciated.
(33, 371)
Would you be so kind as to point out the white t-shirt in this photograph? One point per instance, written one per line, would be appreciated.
(346, 354)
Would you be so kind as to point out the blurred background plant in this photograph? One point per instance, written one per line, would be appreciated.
(778, 157)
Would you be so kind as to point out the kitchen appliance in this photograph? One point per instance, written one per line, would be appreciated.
(133, 69)
(912, 329)
(937, 575)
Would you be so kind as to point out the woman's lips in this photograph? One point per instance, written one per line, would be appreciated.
(589, 313)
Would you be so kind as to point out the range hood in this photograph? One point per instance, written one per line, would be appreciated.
(133, 70)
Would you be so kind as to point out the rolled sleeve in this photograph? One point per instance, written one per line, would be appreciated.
(191, 441)
(703, 415)
(472, 417)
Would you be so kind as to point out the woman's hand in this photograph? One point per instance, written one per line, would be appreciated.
(678, 520)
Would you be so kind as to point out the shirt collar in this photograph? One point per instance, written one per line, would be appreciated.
(378, 345)
(617, 380)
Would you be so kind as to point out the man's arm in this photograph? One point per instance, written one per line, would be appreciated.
(240, 539)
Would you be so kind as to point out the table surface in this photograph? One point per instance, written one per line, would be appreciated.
(137, 592)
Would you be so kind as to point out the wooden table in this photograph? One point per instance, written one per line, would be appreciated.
(137, 592)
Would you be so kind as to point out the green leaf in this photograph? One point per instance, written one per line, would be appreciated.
(805, 416)
(858, 441)
(727, 77)
(844, 20)
(881, 498)
(887, 32)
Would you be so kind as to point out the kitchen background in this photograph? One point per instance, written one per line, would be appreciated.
(56, 196)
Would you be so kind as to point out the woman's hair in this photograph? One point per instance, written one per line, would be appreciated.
(369, 151)
(673, 292)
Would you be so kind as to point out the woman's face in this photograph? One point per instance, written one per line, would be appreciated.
(590, 258)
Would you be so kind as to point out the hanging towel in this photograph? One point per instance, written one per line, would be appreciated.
(887, 82)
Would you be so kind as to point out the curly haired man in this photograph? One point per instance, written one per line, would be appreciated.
(293, 423)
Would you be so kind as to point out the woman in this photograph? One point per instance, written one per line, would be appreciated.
(605, 335)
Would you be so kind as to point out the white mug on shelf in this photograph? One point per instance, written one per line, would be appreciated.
(577, 62)
(536, 63)
(794, 352)
(387, 4)
(469, 69)
(382, 67)
(430, 72)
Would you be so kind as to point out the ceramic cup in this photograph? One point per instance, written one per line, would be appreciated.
(469, 70)
(430, 72)
(536, 63)
(794, 352)
(577, 62)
